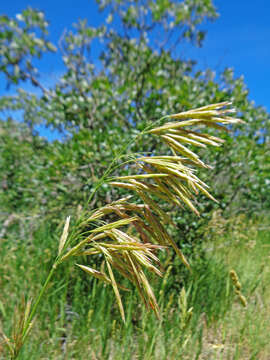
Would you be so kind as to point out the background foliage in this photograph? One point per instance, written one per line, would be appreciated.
(102, 98)
(116, 78)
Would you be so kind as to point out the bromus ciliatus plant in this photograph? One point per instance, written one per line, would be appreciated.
(128, 233)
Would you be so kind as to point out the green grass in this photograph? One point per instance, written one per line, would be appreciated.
(79, 318)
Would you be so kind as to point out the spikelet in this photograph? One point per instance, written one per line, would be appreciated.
(64, 236)
(237, 288)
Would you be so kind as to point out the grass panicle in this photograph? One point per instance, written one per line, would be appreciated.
(128, 235)
(141, 225)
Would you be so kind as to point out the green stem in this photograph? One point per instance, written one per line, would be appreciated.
(37, 302)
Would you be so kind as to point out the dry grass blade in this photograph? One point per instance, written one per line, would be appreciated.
(137, 280)
(154, 205)
(128, 246)
(186, 139)
(156, 227)
(201, 138)
(77, 248)
(175, 145)
(97, 274)
(214, 106)
(124, 252)
(207, 111)
(205, 192)
(107, 209)
(116, 291)
(114, 224)
(179, 253)
(123, 185)
(206, 115)
(168, 167)
(142, 252)
(170, 191)
(183, 193)
(151, 297)
(215, 125)
(144, 176)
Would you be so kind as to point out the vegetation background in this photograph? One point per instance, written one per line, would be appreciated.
(116, 77)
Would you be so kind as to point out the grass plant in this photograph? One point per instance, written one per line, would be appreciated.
(80, 319)
(127, 234)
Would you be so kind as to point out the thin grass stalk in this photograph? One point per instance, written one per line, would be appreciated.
(38, 300)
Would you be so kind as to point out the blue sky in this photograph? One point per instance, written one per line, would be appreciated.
(239, 38)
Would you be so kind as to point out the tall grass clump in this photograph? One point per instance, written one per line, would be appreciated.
(233, 314)
(125, 236)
